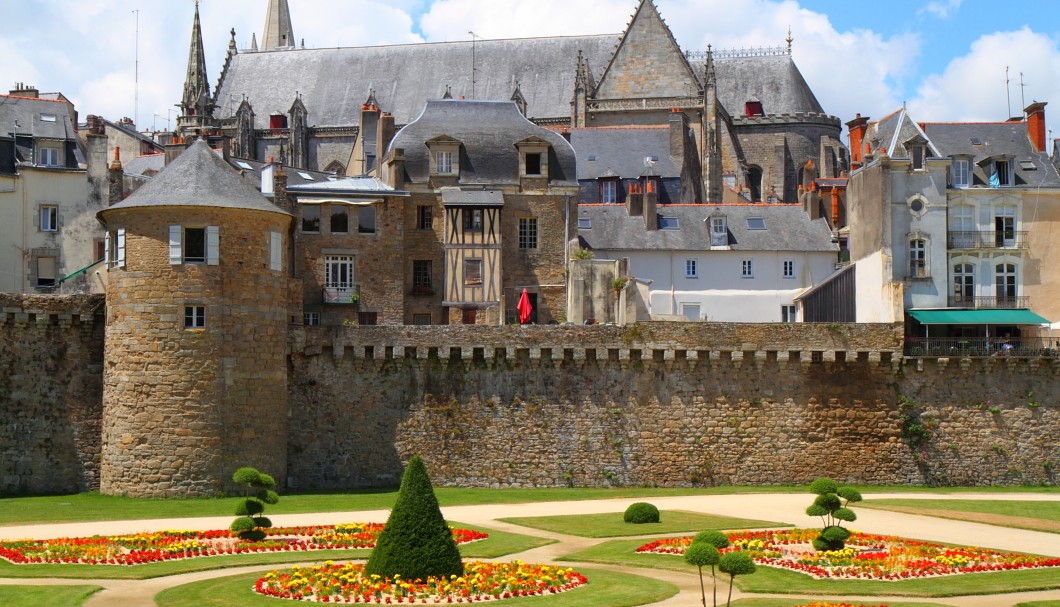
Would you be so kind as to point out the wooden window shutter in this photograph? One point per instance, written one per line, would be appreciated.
(213, 245)
(174, 245)
(120, 245)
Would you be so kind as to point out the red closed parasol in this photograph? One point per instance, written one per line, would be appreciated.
(524, 308)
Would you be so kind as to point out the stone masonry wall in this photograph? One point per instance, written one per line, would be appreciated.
(670, 404)
(51, 391)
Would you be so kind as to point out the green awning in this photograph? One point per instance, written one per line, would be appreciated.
(977, 317)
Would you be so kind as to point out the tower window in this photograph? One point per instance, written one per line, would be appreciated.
(194, 317)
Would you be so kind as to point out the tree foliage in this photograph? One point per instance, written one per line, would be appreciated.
(736, 563)
(416, 542)
(257, 492)
(640, 513)
(831, 504)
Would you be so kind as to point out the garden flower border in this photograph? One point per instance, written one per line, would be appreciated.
(867, 556)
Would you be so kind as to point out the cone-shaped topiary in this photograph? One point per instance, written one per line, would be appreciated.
(251, 524)
(416, 542)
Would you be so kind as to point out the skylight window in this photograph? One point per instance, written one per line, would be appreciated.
(244, 165)
(756, 223)
(48, 118)
(585, 223)
(306, 176)
(1028, 165)
(668, 223)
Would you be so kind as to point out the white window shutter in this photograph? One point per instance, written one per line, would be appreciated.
(275, 251)
(174, 245)
(106, 250)
(121, 248)
(213, 245)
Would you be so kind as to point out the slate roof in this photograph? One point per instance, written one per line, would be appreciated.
(996, 139)
(893, 131)
(345, 185)
(335, 82)
(488, 132)
(27, 112)
(623, 150)
(199, 177)
(788, 228)
(775, 80)
(146, 165)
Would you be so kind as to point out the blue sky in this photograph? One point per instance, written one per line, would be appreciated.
(944, 58)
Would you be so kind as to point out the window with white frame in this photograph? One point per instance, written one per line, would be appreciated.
(691, 311)
(1001, 174)
(443, 162)
(194, 317)
(692, 267)
(789, 313)
(609, 191)
(1005, 227)
(788, 268)
(114, 248)
(719, 232)
(961, 173)
(1005, 284)
(962, 227)
(311, 319)
(528, 233)
(338, 279)
(49, 218)
(747, 268)
(194, 244)
(48, 156)
(963, 284)
(918, 258)
(275, 251)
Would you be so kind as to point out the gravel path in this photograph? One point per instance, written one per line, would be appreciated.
(786, 508)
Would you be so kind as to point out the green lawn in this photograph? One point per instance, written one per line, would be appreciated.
(998, 512)
(95, 507)
(1039, 604)
(612, 525)
(795, 602)
(53, 596)
(768, 580)
(604, 588)
(498, 544)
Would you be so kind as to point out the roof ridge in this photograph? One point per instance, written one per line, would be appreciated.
(34, 98)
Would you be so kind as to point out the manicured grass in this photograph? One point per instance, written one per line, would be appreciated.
(612, 525)
(96, 507)
(768, 580)
(498, 544)
(1039, 604)
(1033, 515)
(53, 596)
(794, 602)
(605, 588)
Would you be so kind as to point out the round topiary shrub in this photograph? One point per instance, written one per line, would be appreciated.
(641, 512)
(714, 538)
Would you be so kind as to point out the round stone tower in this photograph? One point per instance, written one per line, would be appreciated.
(195, 374)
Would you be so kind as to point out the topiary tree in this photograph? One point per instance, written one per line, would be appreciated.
(831, 505)
(736, 563)
(700, 554)
(641, 512)
(416, 542)
(717, 540)
(251, 523)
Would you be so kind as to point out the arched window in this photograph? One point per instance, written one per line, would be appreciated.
(754, 182)
(336, 168)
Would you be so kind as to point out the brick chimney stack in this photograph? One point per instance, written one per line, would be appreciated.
(279, 190)
(25, 90)
(384, 133)
(1036, 124)
(115, 179)
(857, 127)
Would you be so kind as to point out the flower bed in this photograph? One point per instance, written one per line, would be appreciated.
(346, 583)
(142, 548)
(820, 604)
(867, 556)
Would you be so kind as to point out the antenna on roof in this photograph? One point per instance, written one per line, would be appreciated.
(136, 71)
(1008, 97)
(473, 36)
(1023, 100)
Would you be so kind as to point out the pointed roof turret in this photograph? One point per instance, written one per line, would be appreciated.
(196, 105)
(278, 32)
(253, 41)
(710, 77)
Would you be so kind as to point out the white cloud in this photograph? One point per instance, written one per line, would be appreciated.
(972, 87)
(941, 8)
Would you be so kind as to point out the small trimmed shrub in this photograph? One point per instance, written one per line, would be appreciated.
(715, 538)
(700, 554)
(640, 513)
(416, 542)
(251, 524)
(831, 505)
(736, 563)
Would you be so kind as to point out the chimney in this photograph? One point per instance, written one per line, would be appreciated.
(394, 176)
(115, 179)
(651, 215)
(1036, 124)
(25, 90)
(384, 133)
(634, 200)
(678, 130)
(174, 149)
(857, 127)
(279, 190)
(96, 125)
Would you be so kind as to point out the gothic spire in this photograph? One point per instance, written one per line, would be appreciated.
(278, 32)
(710, 77)
(196, 104)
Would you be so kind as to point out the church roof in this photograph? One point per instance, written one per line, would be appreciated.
(774, 79)
(335, 82)
(488, 132)
(198, 178)
(626, 151)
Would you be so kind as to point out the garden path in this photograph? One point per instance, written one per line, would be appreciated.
(788, 508)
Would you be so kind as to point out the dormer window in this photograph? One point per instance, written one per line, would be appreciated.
(719, 231)
(533, 165)
(533, 157)
(609, 190)
(999, 172)
(918, 157)
(444, 156)
(961, 173)
(443, 163)
(753, 107)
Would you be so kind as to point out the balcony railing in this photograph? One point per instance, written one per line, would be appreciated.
(1026, 347)
(989, 303)
(989, 239)
(342, 294)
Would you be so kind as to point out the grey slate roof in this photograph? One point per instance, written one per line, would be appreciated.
(335, 82)
(198, 178)
(345, 185)
(622, 150)
(996, 139)
(27, 112)
(788, 228)
(488, 132)
(147, 165)
(775, 80)
(893, 131)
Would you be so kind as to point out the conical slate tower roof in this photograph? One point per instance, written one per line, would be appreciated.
(198, 178)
